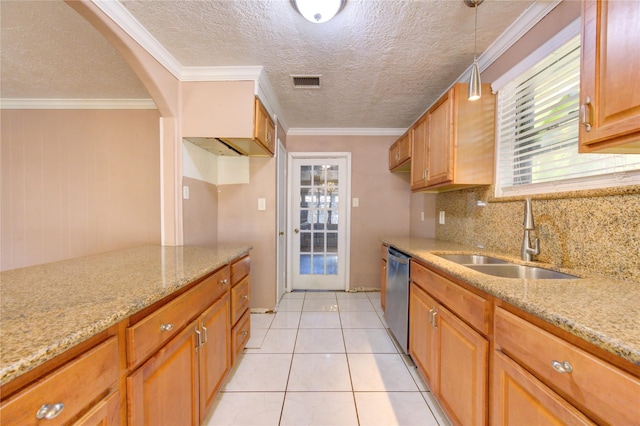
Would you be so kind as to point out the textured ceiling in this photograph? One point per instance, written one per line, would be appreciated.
(383, 62)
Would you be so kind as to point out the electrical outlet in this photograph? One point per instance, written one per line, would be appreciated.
(441, 217)
(185, 192)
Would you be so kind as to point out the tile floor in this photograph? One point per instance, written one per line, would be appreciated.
(325, 359)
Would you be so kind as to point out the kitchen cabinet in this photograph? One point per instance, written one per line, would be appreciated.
(383, 277)
(240, 312)
(449, 352)
(71, 391)
(400, 154)
(179, 381)
(453, 142)
(227, 111)
(563, 371)
(609, 84)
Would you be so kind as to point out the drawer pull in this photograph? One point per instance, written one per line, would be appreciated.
(245, 332)
(562, 367)
(49, 412)
(166, 327)
(224, 282)
(245, 297)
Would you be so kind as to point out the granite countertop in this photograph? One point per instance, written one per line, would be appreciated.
(598, 309)
(47, 309)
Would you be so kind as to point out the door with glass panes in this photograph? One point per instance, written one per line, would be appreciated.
(319, 200)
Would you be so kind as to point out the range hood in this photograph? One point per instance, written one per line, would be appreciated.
(215, 146)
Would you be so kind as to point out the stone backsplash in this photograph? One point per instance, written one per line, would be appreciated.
(597, 231)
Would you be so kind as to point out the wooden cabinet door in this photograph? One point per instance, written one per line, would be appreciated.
(439, 142)
(264, 131)
(215, 351)
(419, 156)
(609, 86)
(163, 391)
(104, 413)
(518, 398)
(462, 360)
(421, 332)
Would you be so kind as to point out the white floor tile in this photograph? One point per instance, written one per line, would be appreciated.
(277, 341)
(368, 340)
(286, 319)
(393, 408)
(260, 372)
(290, 305)
(351, 295)
(320, 320)
(293, 295)
(319, 408)
(257, 337)
(319, 341)
(319, 372)
(261, 320)
(320, 305)
(374, 295)
(246, 409)
(360, 320)
(382, 319)
(355, 305)
(320, 295)
(380, 372)
(435, 409)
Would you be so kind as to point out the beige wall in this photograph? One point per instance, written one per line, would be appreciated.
(77, 182)
(385, 199)
(240, 222)
(200, 213)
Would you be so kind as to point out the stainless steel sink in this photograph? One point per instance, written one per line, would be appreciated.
(510, 270)
(471, 259)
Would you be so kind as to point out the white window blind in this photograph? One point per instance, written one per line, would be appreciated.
(538, 132)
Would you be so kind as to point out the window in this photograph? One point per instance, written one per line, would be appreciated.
(538, 132)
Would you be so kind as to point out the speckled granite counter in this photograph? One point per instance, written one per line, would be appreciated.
(47, 309)
(602, 311)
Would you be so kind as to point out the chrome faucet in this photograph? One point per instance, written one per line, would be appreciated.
(527, 252)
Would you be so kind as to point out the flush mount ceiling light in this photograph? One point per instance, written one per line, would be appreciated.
(475, 85)
(318, 11)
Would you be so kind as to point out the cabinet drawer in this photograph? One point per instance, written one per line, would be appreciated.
(596, 387)
(240, 336)
(76, 385)
(240, 269)
(467, 305)
(146, 336)
(239, 299)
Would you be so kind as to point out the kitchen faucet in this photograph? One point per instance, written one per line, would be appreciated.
(527, 252)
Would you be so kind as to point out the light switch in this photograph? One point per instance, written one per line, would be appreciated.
(355, 202)
(422, 216)
(262, 204)
(185, 192)
(441, 219)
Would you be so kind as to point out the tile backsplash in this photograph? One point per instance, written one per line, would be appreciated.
(597, 231)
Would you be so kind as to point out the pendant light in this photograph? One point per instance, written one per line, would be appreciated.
(318, 11)
(475, 85)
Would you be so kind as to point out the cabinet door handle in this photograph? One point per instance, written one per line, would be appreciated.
(199, 341)
(584, 119)
(435, 325)
(206, 334)
(49, 412)
(166, 327)
(431, 316)
(562, 367)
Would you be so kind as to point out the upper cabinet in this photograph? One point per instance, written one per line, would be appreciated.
(400, 154)
(609, 86)
(228, 111)
(453, 142)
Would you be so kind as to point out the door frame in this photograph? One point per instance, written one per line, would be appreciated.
(290, 235)
(281, 217)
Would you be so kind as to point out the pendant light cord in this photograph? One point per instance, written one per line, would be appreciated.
(475, 32)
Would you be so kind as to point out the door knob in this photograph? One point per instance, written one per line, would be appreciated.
(281, 233)
(296, 230)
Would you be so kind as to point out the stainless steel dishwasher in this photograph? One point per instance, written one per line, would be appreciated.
(397, 303)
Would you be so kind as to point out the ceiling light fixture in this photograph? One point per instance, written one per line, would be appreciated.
(318, 11)
(475, 85)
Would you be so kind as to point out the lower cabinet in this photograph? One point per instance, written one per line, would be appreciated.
(451, 355)
(177, 385)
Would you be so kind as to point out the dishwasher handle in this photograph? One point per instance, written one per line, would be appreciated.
(398, 256)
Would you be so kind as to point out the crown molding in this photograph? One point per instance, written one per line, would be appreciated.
(221, 73)
(300, 131)
(77, 104)
(123, 18)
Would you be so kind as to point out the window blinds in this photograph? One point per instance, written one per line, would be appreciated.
(538, 127)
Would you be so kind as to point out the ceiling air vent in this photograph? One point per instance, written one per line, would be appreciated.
(306, 81)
